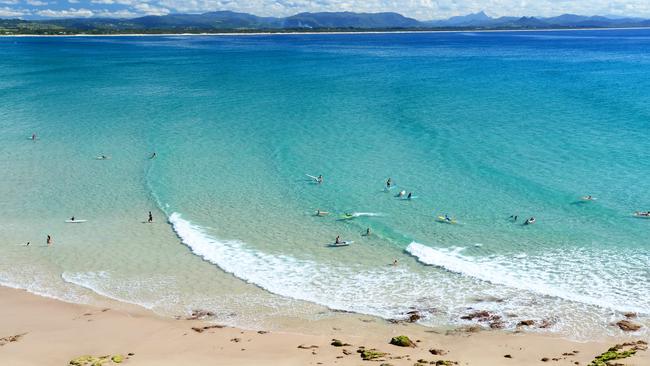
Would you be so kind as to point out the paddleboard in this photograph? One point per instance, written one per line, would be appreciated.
(341, 244)
(312, 177)
(445, 221)
(75, 221)
(100, 158)
(636, 214)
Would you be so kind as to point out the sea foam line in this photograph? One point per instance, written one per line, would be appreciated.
(495, 272)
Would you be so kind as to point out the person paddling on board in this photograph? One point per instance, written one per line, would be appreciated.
(319, 180)
(368, 232)
(409, 196)
(401, 194)
(49, 240)
(33, 137)
(389, 182)
(338, 240)
(150, 219)
(72, 218)
(153, 155)
(447, 218)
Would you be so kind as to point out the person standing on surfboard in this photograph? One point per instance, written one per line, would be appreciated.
(33, 137)
(150, 219)
(319, 179)
(49, 240)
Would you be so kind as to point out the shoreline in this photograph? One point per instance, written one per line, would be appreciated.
(261, 33)
(44, 331)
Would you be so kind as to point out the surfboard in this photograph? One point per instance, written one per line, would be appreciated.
(312, 177)
(75, 221)
(102, 158)
(445, 221)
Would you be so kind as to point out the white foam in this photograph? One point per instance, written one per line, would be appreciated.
(557, 274)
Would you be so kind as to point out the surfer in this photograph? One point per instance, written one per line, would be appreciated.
(153, 155)
(394, 262)
(530, 221)
(447, 218)
(401, 194)
(150, 219)
(33, 137)
(368, 232)
(49, 240)
(389, 182)
(72, 218)
(27, 244)
(319, 180)
(338, 240)
(409, 196)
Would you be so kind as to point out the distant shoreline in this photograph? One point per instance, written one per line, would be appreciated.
(317, 32)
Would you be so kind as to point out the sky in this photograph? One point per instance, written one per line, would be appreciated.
(419, 9)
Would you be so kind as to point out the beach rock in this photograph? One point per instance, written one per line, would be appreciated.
(347, 352)
(371, 354)
(544, 359)
(338, 343)
(262, 331)
(630, 315)
(445, 363)
(11, 339)
(437, 352)
(402, 341)
(497, 324)
(481, 315)
(200, 314)
(413, 316)
(526, 323)
(628, 326)
(386, 364)
(236, 340)
(117, 358)
(507, 356)
(302, 346)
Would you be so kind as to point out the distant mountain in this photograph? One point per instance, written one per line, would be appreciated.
(229, 21)
(350, 20)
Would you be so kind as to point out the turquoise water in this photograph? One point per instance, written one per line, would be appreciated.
(479, 126)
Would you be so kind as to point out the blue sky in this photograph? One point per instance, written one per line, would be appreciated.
(419, 9)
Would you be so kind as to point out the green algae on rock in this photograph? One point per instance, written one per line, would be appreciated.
(402, 341)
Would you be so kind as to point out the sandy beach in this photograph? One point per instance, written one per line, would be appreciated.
(43, 331)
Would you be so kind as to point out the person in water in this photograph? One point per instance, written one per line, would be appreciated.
(389, 182)
(150, 219)
(394, 262)
(153, 155)
(319, 180)
(410, 195)
(368, 232)
(338, 240)
(447, 218)
(401, 194)
(72, 218)
(49, 240)
(33, 137)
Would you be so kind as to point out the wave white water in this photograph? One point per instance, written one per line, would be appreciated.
(566, 275)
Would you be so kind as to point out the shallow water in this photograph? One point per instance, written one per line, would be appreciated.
(479, 126)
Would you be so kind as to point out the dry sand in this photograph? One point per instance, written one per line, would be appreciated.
(52, 332)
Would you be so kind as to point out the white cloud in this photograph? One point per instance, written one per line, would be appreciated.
(419, 9)
(115, 14)
(12, 13)
(148, 9)
(70, 13)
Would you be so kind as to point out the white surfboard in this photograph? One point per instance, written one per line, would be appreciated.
(75, 221)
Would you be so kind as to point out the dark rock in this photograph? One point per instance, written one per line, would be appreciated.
(437, 352)
(628, 326)
(347, 352)
(236, 340)
(262, 331)
(402, 341)
(507, 356)
(338, 343)
(630, 315)
(544, 359)
(200, 314)
(479, 315)
(302, 346)
(526, 323)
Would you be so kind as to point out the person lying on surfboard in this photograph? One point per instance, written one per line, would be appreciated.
(338, 240)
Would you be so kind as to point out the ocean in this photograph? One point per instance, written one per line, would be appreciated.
(479, 126)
